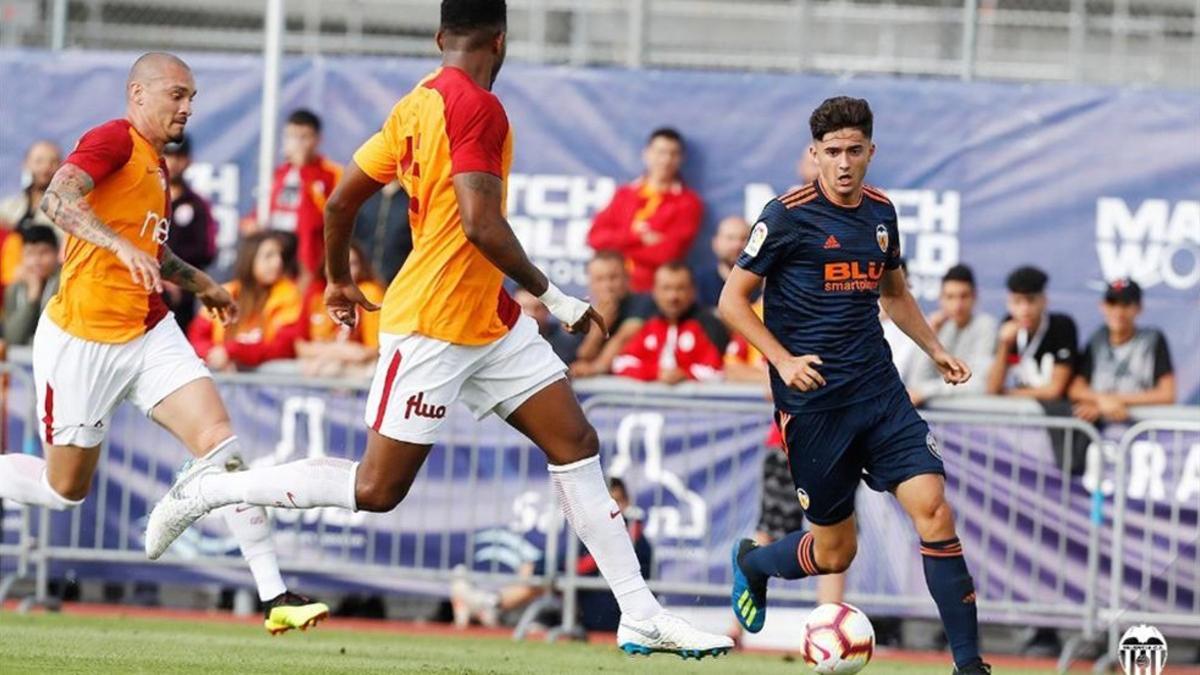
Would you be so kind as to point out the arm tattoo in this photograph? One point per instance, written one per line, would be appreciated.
(64, 203)
(175, 270)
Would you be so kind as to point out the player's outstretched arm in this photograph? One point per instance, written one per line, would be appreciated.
(798, 372)
(480, 196)
(211, 294)
(342, 296)
(66, 205)
(902, 307)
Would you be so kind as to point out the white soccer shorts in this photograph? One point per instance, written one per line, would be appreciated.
(418, 378)
(80, 382)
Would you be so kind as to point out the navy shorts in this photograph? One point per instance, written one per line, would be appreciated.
(881, 441)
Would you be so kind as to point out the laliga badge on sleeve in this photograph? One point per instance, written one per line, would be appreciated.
(757, 236)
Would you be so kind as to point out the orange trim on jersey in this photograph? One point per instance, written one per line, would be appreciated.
(876, 194)
(800, 202)
(797, 192)
(784, 418)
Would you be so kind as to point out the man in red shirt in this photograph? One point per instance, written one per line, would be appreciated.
(653, 220)
(681, 342)
(302, 185)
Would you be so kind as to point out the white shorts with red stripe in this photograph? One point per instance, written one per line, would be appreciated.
(418, 378)
(80, 382)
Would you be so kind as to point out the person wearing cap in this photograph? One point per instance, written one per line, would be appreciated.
(1035, 349)
(1123, 364)
(193, 234)
(970, 334)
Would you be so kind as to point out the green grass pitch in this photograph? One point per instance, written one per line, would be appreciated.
(50, 643)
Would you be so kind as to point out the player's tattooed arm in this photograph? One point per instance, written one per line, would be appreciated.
(182, 274)
(480, 196)
(65, 204)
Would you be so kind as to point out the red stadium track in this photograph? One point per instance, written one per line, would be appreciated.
(446, 630)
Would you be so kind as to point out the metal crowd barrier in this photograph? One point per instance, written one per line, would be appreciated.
(1003, 501)
(1154, 543)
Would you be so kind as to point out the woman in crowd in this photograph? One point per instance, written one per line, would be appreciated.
(332, 350)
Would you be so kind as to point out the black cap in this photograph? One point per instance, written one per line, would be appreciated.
(1027, 280)
(1123, 292)
(181, 147)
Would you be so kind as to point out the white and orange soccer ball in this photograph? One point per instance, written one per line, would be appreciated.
(838, 638)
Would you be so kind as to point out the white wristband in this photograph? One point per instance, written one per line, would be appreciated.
(563, 307)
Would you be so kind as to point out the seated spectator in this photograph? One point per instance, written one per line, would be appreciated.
(682, 341)
(334, 350)
(42, 159)
(35, 283)
(623, 312)
(563, 343)
(1122, 364)
(1036, 350)
(302, 184)
(193, 233)
(654, 219)
(732, 234)
(382, 228)
(744, 363)
(270, 317)
(969, 335)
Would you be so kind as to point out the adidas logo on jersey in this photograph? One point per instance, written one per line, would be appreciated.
(832, 242)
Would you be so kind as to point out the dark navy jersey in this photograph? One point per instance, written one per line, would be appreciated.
(823, 264)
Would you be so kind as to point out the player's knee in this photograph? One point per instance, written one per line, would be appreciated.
(376, 496)
(589, 441)
(934, 520)
(836, 558)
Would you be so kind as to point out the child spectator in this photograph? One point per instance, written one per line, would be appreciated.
(333, 350)
(35, 283)
(1036, 350)
(654, 219)
(681, 342)
(270, 317)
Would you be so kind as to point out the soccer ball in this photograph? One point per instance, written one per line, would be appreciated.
(838, 638)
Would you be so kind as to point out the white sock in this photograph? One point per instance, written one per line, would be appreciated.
(23, 479)
(250, 525)
(588, 507)
(305, 484)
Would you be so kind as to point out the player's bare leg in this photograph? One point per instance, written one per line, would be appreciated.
(553, 420)
(58, 482)
(197, 416)
(924, 499)
(387, 472)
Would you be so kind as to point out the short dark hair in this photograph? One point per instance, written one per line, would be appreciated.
(841, 112)
(669, 133)
(462, 17)
(678, 266)
(609, 255)
(39, 234)
(181, 147)
(615, 483)
(961, 273)
(1027, 280)
(303, 117)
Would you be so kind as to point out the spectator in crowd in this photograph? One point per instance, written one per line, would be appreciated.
(732, 234)
(382, 228)
(969, 334)
(302, 184)
(1122, 364)
(624, 313)
(563, 343)
(1036, 350)
(35, 283)
(333, 350)
(193, 234)
(42, 159)
(270, 311)
(682, 341)
(598, 610)
(806, 166)
(654, 219)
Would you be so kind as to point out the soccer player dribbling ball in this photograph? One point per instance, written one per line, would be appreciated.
(107, 335)
(449, 331)
(830, 253)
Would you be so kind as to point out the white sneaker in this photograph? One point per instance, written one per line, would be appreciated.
(670, 634)
(178, 509)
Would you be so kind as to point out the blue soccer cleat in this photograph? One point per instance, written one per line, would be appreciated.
(749, 600)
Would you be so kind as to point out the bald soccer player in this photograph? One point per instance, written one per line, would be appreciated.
(107, 336)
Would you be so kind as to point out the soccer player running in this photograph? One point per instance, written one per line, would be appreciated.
(830, 251)
(107, 335)
(450, 332)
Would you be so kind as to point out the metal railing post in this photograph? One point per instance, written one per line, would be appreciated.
(58, 26)
(635, 55)
(970, 33)
(272, 46)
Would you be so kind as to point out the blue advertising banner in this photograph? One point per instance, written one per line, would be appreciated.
(1089, 183)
